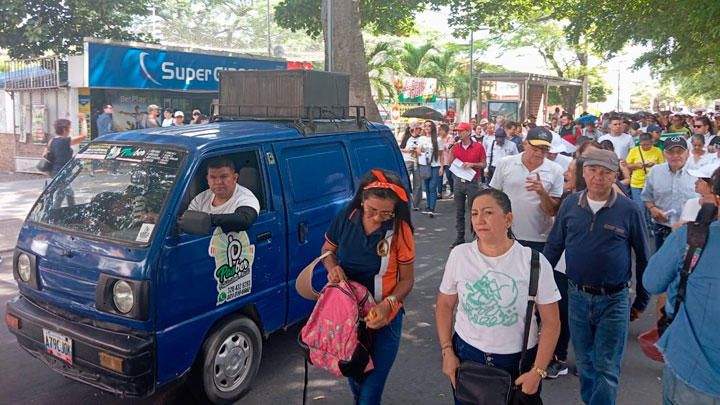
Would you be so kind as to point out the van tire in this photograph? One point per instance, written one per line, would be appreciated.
(228, 361)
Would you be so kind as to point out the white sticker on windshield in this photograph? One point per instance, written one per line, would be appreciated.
(145, 232)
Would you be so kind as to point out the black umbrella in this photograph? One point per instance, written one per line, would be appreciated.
(426, 113)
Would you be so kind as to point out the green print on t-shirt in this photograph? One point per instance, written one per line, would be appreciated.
(490, 301)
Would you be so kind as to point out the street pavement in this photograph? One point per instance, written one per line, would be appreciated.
(416, 377)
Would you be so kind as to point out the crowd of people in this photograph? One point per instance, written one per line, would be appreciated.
(593, 187)
(149, 119)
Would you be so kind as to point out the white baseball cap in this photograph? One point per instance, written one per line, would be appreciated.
(179, 113)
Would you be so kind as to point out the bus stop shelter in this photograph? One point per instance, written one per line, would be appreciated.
(532, 91)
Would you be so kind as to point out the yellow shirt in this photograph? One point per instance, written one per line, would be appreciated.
(637, 178)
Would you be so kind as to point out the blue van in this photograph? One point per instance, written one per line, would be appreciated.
(115, 290)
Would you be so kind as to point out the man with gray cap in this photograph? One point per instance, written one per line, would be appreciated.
(668, 187)
(599, 223)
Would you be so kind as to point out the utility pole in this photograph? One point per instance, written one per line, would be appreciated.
(268, 28)
(586, 81)
(470, 87)
(331, 56)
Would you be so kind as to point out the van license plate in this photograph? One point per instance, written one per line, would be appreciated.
(58, 345)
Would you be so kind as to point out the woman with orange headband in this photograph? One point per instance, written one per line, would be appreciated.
(372, 243)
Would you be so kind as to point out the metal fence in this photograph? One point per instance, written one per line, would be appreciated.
(30, 74)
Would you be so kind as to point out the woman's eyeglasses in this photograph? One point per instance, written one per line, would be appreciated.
(372, 212)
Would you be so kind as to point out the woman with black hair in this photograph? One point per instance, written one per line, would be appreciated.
(703, 126)
(488, 280)
(430, 154)
(371, 241)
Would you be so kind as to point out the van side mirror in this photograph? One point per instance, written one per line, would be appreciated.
(195, 223)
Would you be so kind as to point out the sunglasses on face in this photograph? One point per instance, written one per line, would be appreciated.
(698, 126)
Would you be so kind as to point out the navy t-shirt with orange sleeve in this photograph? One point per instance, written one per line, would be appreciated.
(358, 253)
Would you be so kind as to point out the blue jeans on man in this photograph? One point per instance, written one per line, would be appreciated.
(677, 392)
(386, 342)
(636, 197)
(598, 329)
(450, 180)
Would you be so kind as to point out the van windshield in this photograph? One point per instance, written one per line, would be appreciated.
(115, 191)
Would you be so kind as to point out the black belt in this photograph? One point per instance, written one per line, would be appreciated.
(606, 290)
(461, 180)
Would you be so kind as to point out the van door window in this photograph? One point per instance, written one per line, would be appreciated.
(246, 165)
(318, 172)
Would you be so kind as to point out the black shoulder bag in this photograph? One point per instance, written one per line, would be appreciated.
(480, 384)
(697, 235)
(46, 161)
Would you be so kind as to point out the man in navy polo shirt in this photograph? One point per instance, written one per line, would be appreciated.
(598, 223)
(472, 156)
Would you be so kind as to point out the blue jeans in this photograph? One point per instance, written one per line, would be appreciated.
(508, 362)
(636, 197)
(598, 329)
(386, 345)
(431, 186)
(561, 349)
(677, 392)
(449, 175)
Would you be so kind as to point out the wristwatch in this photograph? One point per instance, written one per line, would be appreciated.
(541, 372)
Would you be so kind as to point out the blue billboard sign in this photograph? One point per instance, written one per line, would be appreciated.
(146, 68)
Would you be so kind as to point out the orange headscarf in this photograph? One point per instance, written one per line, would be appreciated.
(382, 182)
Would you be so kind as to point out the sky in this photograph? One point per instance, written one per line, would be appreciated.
(528, 60)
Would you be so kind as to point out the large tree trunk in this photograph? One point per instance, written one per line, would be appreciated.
(349, 52)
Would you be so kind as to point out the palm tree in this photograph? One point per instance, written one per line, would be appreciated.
(381, 65)
(442, 68)
(414, 60)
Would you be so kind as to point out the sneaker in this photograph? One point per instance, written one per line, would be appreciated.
(557, 368)
(427, 212)
(416, 209)
(431, 214)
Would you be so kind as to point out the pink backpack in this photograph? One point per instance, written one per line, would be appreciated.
(335, 337)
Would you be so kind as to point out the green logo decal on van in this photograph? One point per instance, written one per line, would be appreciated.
(234, 257)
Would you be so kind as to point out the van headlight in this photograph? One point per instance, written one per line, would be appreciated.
(123, 297)
(24, 267)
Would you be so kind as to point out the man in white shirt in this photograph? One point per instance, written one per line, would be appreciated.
(621, 141)
(534, 185)
(496, 150)
(230, 205)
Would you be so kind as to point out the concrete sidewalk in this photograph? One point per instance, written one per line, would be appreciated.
(16, 200)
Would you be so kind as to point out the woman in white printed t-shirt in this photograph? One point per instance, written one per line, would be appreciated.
(429, 151)
(489, 279)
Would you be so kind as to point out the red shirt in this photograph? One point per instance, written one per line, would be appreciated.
(451, 115)
(475, 153)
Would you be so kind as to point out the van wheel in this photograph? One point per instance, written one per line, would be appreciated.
(228, 362)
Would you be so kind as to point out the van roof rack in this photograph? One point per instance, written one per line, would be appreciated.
(307, 119)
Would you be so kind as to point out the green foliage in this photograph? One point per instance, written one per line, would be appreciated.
(32, 28)
(243, 25)
(394, 17)
(443, 68)
(382, 63)
(414, 60)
